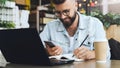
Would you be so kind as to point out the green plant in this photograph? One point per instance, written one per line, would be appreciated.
(7, 24)
(107, 19)
(2, 2)
(11, 0)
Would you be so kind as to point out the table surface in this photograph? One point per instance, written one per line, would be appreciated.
(83, 64)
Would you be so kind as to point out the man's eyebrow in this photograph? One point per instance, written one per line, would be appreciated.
(61, 11)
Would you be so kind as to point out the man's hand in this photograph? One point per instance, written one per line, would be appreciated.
(57, 50)
(84, 53)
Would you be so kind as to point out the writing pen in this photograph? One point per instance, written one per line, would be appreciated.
(83, 42)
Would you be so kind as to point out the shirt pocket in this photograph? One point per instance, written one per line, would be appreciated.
(89, 42)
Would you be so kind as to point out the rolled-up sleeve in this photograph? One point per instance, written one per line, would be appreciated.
(44, 35)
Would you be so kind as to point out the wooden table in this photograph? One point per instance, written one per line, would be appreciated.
(84, 64)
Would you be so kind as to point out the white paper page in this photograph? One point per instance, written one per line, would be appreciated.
(68, 56)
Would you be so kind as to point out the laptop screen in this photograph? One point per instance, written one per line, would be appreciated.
(23, 46)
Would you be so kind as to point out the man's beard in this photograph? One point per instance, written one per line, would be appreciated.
(68, 21)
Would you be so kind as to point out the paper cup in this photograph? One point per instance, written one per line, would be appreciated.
(100, 51)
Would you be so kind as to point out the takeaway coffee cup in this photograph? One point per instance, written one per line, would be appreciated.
(100, 51)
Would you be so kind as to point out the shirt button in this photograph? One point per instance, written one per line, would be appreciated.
(88, 42)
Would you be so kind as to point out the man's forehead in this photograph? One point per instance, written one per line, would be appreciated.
(65, 5)
(66, 2)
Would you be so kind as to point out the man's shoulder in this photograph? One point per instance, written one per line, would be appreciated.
(56, 21)
(91, 19)
(88, 17)
(53, 25)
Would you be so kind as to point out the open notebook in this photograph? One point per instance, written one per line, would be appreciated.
(24, 46)
(66, 56)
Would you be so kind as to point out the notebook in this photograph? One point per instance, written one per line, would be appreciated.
(24, 46)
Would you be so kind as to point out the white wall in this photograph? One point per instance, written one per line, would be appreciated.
(113, 6)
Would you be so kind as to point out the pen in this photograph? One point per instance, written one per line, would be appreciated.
(83, 42)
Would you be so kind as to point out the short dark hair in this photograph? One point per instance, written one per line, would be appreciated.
(58, 1)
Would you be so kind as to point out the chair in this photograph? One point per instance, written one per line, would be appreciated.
(115, 49)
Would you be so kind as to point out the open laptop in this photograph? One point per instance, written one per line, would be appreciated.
(24, 46)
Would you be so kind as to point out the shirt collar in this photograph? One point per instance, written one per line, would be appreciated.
(60, 26)
(82, 25)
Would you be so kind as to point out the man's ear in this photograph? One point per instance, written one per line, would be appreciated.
(76, 5)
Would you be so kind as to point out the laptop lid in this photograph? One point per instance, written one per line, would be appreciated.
(23, 46)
